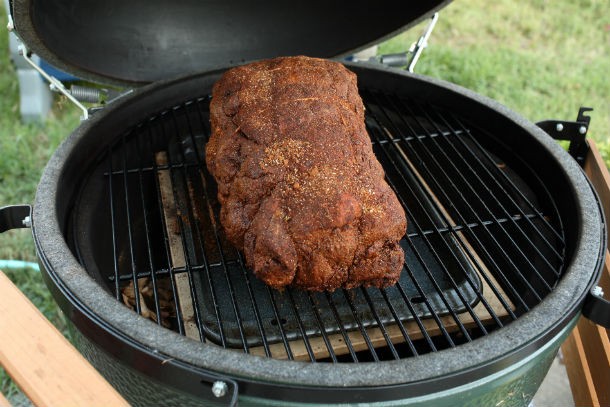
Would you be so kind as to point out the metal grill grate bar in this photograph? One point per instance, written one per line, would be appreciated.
(340, 324)
(401, 326)
(257, 313)
(493, 179)
(510, 183)
(302, 332)
(380, 323)
(361, 327)
(327, 343)
(426, 301)
(134, 269)
(431, 157)
(160, 271)
(285, 341)
(147, 234)
(114, 233)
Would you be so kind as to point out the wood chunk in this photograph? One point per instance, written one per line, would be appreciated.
(177, 250)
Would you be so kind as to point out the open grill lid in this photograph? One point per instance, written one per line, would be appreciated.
(135, 42)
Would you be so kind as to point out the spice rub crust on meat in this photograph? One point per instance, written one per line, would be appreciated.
(301, 192)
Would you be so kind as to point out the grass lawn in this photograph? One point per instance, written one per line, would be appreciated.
(544, 59)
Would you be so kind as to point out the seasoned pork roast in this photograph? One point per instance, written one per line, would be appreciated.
(302, 193)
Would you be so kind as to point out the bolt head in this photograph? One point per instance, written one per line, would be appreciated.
(559, 127)
(598, 291)
(219, 388)
(582, 129)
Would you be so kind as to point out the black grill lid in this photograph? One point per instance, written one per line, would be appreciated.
(129, 42)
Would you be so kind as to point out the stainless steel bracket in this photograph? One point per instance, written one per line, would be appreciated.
(54, 83)
(596, 308)
(15, 217)
(575, 132)
(10, 25)
(418, 47)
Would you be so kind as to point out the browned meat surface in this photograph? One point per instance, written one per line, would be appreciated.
(302, 193)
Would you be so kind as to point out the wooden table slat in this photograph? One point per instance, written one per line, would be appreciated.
(47, 368)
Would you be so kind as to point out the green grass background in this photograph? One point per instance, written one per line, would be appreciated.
(542, 58)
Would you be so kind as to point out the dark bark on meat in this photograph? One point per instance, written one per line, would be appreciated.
(302, 193)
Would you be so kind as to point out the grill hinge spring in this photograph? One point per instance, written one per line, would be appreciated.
(407, 59)
(76, 94)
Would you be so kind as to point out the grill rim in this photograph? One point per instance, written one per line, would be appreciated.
(78, 294)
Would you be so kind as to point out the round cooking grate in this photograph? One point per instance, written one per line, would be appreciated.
(484, 243)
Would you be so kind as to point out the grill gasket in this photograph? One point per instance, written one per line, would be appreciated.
(442, 227)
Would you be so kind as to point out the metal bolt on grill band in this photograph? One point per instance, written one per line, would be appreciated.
(484, 242)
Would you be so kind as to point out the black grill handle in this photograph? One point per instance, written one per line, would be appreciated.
(596, 308)
(15, 217)
(395, 60)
